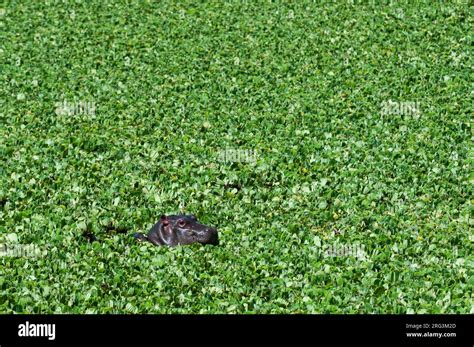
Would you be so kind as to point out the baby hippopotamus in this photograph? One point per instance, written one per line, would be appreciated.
(177, 230)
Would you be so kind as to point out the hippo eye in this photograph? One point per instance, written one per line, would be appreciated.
(181, 223)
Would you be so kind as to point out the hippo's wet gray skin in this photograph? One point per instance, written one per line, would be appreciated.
(177, 230)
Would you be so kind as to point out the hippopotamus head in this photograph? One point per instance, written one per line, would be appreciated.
(176, 230)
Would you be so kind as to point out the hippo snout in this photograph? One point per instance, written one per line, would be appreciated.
(177, 230)
(213, 238)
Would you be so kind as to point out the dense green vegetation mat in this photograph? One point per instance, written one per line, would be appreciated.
(329, 142)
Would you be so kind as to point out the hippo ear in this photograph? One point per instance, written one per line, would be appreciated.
(164, 220)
